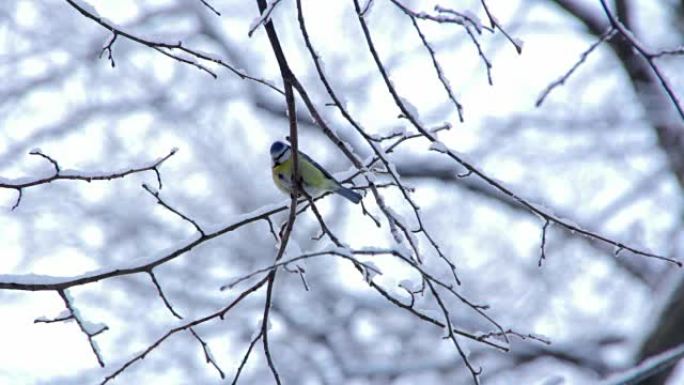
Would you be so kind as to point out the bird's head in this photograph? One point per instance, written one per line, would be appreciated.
(280, 152)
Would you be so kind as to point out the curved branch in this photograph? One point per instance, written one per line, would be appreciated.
(60, 174)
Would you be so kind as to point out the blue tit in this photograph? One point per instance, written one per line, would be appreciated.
(315, 179)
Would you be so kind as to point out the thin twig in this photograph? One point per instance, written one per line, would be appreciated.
(218, 314)
(166, 206)
(161, 294)
(438, 69)
(205, 347)
(208, 357)
(61, 175)
(23, 283)
(542, 255)
(583, 57)
(211, 8)
(163, 46)
(81, 325)
(499, 186)
(495, 23)
(647, 55)
(246, 356)
(475, 373)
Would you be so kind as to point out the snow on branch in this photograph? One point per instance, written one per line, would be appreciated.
(186, 56)
(465, 19)
(610, 32)
(20, 184)
(90, 330)
(32, 282)
(399, 229)
(647, 54)
(531, 207)
(220, 314)
(263, 18)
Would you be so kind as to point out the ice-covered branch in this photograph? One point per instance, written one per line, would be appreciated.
(438, 69)
(647, 54)
(465, 19)
(20, 184)
(90, 330)
(369, 270)
(31, 282)
(161, 202)
(396, 224)
(220, 314)
(496, 24)
(264, 17)
(205, 347)
(406, 111)
(164, 48)
(289, 82)
(583, 57)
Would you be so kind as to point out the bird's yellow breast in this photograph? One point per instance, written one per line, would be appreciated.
(282, 174)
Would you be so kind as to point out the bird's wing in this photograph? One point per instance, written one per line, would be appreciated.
(318, 166)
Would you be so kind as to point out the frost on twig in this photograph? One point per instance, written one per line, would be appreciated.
(89, 329)
(59, 174)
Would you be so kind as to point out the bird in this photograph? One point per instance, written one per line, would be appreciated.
(315, 179)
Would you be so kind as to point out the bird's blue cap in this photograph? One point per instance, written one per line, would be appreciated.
(277, 147)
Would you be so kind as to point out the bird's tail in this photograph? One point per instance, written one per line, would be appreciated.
(349, 194)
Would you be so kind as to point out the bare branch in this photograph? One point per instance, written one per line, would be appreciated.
(218, 314)
(210, 7)
(256, 338)
(324, 228)
(77, 175)
(82, 325)
(499, 186)
(108, 48)
(668, 52)
(166, 48)
(31, 283)
(647, 55)
(583, 57)
(495, 23)
(162, 296)
(542, 255)
(205, 347)
(49, 159)
(208, 357)
(166, 206)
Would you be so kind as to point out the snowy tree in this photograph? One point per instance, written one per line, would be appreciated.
(521, 165)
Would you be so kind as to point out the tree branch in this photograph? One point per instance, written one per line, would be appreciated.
(59, 174)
